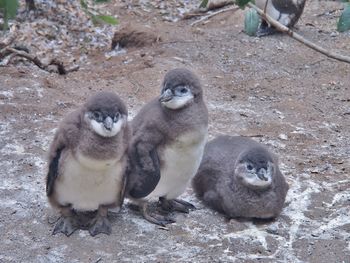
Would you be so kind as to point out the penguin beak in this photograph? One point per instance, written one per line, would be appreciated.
(108, 123)
(166, 96)
(261, 176)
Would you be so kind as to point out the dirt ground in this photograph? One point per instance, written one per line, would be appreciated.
(291, 98)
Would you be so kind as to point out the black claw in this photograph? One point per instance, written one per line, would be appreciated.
(100, 225)
(176, 205)
(185, 203)
(156, 218)
(65, 225)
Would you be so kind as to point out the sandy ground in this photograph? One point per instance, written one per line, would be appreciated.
(283, 94)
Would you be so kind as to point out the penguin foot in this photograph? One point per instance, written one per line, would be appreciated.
(65, 225)
(100, 224)
(265, 31)
(156, 218)
(176, 205)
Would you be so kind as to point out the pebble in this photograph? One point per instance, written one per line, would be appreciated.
(283, 137)
(272, 230)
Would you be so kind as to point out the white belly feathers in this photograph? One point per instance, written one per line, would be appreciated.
(284, 19)
(87, 183)
(181, 161)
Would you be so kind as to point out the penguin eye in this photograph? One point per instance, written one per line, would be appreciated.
(98, 116)
(116, 117)
(250, 167)
(181, 90)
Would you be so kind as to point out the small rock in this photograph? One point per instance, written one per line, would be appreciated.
(179, 59)
(272, 230)
(283, 137)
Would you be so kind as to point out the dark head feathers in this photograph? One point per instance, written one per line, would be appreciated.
(182, 76)
(258, 155)
(107, 102)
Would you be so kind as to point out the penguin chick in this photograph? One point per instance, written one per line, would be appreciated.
(287, 12)
(240, 178)
(169, 135)
(87, 162)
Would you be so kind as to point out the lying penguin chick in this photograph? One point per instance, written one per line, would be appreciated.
(87, 162)
(240, 178)
(169, 135)
(287, 12)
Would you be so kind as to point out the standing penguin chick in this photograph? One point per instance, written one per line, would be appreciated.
(87, 162)
(169, 135)
(287, 12)
(240, 178)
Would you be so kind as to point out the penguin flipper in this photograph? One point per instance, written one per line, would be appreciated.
(66, 137)
(146, 169)
(53, 171)
(285, 6)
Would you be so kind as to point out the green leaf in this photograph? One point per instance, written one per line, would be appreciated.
(105, 19)
(9, 9)
(344, 20)
(204, 4)
(242, 3)
(251, 22)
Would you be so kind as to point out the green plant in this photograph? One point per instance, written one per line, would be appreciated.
(344, 19)
(95, 16)
(204, 4)
(251, 22)
(9, 10)
(243, 3)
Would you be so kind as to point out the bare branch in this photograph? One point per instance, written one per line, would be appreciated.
(234, 8)
(298, 37)
(60, 67)
(11, 37)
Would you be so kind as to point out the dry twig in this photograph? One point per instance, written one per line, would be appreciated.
(11, 37)
(298, 37)
(330, 12)
(60, 67)
(210, 6)
(234, 8)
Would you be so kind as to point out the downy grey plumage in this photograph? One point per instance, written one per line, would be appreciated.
(169, 135)
(239, 177)
(87, 162)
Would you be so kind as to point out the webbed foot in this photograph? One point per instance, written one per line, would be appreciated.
(265, 30)
(66, 225)
(156, 218)
(100, 224)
